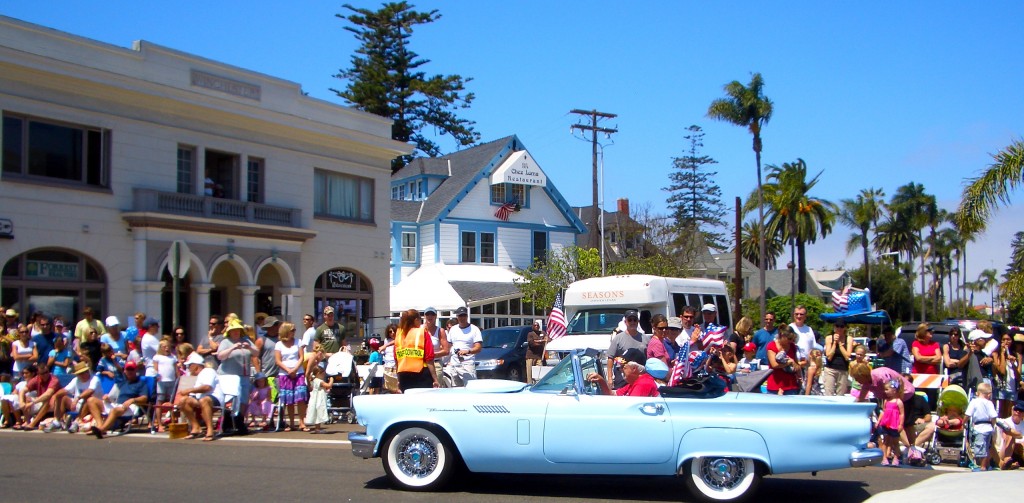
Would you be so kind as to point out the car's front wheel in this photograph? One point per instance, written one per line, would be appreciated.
(716, 478)
(515, 373)
(418, 459)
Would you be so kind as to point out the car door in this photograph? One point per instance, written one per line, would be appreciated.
(607, 429)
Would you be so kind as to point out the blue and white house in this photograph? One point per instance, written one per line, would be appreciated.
(464, 223)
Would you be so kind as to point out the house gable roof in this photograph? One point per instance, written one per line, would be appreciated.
(466, 168)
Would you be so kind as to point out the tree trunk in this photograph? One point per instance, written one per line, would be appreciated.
(801, 269)
(760, 225)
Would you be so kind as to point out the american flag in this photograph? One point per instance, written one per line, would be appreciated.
(556, 319)
(840, 299)
(686, 364)
(681, 366)
(713, 336)
(505, 210)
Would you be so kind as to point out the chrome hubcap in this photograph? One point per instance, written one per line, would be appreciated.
(417, 456)
(722, 473)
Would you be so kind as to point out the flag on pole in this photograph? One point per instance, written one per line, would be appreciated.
(505, 210)
(840, 300)
(556, 325)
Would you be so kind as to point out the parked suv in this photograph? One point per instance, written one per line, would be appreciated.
(504, 353)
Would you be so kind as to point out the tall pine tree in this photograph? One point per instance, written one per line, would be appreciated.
(695, 198)
(385, 79)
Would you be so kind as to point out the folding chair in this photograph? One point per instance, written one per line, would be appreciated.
(106, 386)
(231, 387)
(184, 382)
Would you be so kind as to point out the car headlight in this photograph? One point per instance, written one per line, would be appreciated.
(489, 364)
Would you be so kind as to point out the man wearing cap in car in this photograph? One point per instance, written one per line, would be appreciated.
(638, 381)
(631, 338)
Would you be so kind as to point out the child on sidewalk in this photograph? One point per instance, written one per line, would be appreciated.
(316, 412)
(890, 423)
(983, 419)
(260, 406)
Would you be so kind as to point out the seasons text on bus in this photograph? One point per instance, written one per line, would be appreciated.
(610, 294)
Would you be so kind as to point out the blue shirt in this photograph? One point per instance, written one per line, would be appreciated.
(900, 359)
(130, 389)
(118, 346)
(59, 356)
(761, 338)
(44, 344)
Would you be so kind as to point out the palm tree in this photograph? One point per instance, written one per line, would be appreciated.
(989, 280)
(990, 190)
(795, 215)
(750, 245)
(894, 235)
(916, 209)
(748, 107)
(862, 215)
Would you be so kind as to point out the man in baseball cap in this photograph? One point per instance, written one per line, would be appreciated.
(132, 397)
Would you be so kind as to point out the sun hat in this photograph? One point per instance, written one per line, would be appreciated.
(675, 322)
(234, 325)
(11, 313)
(80, 367)
(195, 359)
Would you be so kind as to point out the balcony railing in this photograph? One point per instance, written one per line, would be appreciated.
(150, 200)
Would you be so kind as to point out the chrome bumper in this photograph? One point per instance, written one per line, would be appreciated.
(864, 457)
(363, 445)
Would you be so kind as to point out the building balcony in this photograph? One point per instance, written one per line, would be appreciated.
(154, 208)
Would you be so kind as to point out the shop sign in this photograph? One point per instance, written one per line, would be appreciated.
(43, 269)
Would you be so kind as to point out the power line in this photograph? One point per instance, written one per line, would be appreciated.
(594, 129)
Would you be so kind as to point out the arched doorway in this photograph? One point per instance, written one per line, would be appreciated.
(56, 282)
(351, 296)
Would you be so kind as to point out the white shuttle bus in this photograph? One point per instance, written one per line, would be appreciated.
(594, 307)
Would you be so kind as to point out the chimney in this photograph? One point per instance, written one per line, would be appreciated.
(623, 206)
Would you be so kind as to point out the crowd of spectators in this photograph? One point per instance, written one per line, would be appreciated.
(61, 376)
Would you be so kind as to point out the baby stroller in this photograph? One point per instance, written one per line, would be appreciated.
(342, 367)
(951, 443)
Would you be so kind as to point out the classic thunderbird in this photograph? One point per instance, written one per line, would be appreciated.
(722, 445)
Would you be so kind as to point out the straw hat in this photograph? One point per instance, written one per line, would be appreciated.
(80, 367)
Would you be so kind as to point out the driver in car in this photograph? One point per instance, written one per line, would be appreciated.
(638, 381)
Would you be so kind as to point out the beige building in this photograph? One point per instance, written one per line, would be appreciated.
(112, 155)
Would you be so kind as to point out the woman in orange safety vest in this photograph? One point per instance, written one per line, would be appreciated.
(413, 353)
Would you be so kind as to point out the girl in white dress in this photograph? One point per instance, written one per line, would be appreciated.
(316, 412)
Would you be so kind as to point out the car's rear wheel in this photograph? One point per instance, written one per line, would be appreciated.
(719, 478)
(418, 459)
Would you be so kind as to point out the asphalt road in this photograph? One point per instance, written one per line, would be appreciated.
(61, 467)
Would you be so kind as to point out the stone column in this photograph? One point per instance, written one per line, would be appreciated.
(291, 305)
(198, 327)
(248, 313)
(147, 300)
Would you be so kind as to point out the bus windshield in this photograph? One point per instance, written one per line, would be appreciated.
(595, 321)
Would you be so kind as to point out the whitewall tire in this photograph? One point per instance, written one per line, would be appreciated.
(418, 459)
(719, 478)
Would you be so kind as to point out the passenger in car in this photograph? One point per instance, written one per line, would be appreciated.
(638, 381)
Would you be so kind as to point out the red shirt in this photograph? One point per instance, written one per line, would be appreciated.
(779, 378)
(40, 387)
(642, 386)
(931, 349)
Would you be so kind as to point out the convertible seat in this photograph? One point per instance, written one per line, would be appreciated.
(710, 387)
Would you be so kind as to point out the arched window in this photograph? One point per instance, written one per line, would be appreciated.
(56, 282)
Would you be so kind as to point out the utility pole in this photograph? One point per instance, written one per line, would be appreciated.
(597, 233)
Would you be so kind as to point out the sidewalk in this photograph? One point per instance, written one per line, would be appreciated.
(337, 433)
(968, 487)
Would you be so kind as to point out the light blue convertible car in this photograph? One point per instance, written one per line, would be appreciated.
(722, 445)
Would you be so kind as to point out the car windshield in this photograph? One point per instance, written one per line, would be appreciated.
(500, 338)
(594, 320)
(561, 377)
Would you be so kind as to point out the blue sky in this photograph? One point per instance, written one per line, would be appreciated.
(872, 94)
